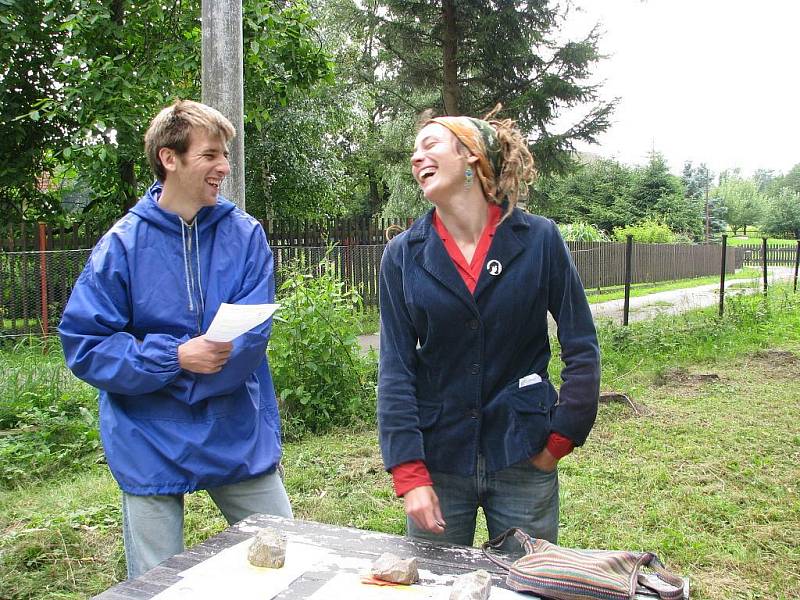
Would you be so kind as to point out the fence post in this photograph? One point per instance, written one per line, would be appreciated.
(43, 278)
(628, 252)
(722, 274)
(764, 261)
(796, 264)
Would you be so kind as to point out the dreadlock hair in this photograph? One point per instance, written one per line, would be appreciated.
(518, 170)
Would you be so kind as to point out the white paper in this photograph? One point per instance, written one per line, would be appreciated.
(349, 586)
(232, 320)
(229, 574)
(531, 379)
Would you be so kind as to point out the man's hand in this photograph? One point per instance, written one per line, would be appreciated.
(200, 355)
(544, 461)
(422, 505)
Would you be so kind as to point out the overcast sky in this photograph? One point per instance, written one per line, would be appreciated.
(715, 81)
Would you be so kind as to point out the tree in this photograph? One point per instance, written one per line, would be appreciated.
(742, 200)
(659, 195)
(597, 192)
(477, 53)
(118, 61)
(782, 216)
(28, 46)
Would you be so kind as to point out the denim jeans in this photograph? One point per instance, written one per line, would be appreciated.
(152, 526)
(519, 496)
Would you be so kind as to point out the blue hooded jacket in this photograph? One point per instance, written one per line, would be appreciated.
(152, 283)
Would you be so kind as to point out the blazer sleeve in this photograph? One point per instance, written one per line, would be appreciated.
(579, 394)
(398, 418)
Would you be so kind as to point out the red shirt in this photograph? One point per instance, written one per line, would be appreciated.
(413, 474)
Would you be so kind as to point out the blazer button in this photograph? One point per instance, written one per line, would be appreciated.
(472, 324)
(474, 414)
(475, 368)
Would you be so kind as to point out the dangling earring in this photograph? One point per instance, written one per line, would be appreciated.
(468, 177)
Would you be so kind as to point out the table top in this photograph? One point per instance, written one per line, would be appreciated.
(349, 553)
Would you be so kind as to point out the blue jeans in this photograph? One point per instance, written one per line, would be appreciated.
(519, 496)
(152, 526)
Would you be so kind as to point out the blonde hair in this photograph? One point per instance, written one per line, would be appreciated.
(505, 165)
(172, 128)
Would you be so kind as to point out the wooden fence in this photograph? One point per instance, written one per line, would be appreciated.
(39, 265)
(783, 255)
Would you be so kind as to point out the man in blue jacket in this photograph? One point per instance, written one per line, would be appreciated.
(179, 413)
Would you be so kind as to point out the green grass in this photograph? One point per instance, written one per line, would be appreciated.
(705, 473)
(756, 240)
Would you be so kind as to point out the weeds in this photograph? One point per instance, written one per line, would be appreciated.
(706, 476)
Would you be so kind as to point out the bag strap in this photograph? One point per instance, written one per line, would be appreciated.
(520, 536)
(673, 590)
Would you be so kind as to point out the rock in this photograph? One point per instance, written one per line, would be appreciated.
(472, 586)
(392, 568)
(268, 549)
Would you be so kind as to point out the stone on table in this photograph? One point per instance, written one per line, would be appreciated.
(268, 549)
(389, 567)
(476, 585)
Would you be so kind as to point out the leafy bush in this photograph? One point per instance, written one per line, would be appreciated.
(582, 232)
(649, 231)
(321, 378)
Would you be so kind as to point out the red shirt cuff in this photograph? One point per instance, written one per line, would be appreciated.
(410, 475)
(558, 445)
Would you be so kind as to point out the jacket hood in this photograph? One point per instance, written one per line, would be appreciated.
(148, 209)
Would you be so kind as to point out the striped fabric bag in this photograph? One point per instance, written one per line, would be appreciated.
(551, 571)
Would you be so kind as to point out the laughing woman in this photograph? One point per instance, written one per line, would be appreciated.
(467, 415)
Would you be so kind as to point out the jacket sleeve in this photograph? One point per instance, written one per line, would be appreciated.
(576, 410)
(398, 417)
(97, 347)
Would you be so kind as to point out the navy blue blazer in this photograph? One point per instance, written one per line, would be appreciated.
(451, 362)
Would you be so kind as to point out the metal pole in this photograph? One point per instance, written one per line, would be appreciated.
(722, 274)
(223, 81)
(764, 261)
(43, 278)
(708, 220)
(628, 252)
(796, 264)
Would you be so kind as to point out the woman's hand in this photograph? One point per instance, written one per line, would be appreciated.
(544, 461)
(422, 505)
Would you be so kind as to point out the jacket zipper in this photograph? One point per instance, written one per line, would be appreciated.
(197, 315)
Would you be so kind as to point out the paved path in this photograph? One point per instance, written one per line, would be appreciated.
(651, 305)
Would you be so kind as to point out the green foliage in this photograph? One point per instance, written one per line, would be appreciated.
(597, 192)
(455, 49)
(320, 377)
(657, 194)
(782, 215)
(581, 232)
(111, 66)
(743, 201)
(48, 418)
(648, 231)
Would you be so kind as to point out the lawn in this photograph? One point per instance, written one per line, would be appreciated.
(703, 468)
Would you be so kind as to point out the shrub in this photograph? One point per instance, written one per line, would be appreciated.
(321, 378)
(648, 231)
(582, 232)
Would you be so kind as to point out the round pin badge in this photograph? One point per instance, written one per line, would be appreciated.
(494, 267)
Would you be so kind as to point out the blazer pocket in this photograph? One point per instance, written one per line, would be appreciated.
(517, 421)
